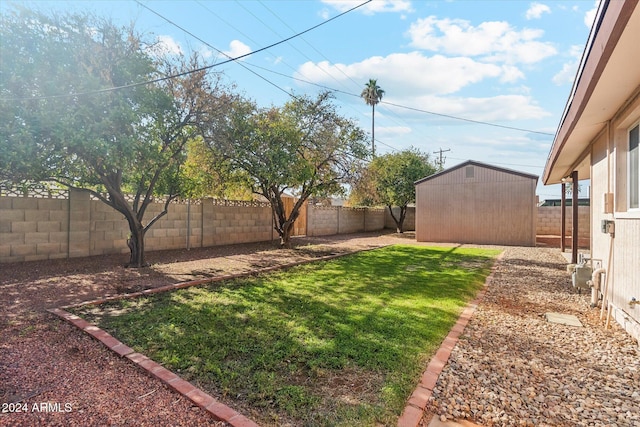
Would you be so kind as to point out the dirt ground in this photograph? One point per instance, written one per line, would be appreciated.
(51, 374)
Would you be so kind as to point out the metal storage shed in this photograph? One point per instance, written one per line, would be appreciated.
(478, 203)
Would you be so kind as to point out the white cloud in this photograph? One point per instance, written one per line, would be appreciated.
(376, 6)
(590, 15)
(494, 40)
(568, 72)
(166, 45)
(205, 52)
(410, 73)
(236, 49)
(536, 10)
(392, 131)
(511, 74)
(497, 109)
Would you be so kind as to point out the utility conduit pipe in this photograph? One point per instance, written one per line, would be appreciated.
(605, 294)
(595, 285)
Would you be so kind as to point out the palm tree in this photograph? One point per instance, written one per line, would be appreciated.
(372, 95)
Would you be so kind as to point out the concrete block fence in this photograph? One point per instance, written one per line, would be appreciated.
(329, 220)
(549, 221)
(409, 220)
(68, 224)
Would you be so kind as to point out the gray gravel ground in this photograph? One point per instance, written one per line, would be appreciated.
(513, 368)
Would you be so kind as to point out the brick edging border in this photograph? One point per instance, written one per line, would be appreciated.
(215, 408)
(414, 410)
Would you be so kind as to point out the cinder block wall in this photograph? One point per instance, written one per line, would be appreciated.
(550, 221)
(75, 225)
(33, 228)
(374, 219)
(329, 220)
(409, 220)
(108, 229)
(241, 223)
(351, 220)
(323, 220)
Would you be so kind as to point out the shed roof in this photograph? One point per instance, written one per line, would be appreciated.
(480, 164)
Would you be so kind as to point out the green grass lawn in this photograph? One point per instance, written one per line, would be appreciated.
(336, 343)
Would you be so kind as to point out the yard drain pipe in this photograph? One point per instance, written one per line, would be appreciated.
(595, 285)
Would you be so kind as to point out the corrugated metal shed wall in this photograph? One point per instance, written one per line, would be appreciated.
(476, 204)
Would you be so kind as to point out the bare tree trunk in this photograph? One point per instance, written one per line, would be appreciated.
(281, 223)
(284, 226)
(399, 221)
(136, 247)
(285, 237)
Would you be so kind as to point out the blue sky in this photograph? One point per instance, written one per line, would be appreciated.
(509, 63)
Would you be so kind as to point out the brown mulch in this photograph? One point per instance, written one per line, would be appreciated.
(52, 374)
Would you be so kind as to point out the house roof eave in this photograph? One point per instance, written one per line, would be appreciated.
(592, 102)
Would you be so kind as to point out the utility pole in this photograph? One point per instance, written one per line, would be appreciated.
(441, 159)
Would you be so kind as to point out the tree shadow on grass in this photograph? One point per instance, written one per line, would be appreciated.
(38, 285)
(277, 347)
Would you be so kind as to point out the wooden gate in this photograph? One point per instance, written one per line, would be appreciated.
(300, 226)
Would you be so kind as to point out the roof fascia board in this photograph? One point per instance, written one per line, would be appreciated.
(480, 164)
(609, 28)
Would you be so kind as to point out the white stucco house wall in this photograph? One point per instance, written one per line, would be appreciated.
(598, 139)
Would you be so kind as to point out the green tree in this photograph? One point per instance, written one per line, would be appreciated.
(372, 95)
(389, 180)
(206, 177)
(304, 148)
(74, 109)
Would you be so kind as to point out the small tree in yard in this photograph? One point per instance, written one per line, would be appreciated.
(305, 148)
(389, 180)
(79, 106)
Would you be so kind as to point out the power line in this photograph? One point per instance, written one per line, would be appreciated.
(259, 19)
(467, 120)
(265, 24)
(225, 21)
(386, 145)
(506, 164)
(173, 76)
(216, 49)
(403, 106)
(310, 45)
(230, 59)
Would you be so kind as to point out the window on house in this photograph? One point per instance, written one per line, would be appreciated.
(634, 168)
